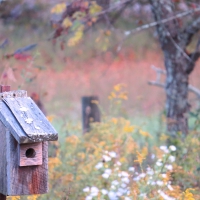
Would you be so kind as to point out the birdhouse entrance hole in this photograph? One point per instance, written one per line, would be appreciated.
(30, 153)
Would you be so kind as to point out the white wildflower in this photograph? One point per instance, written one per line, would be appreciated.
(106, 158)
(164, 175)
(169, 167)
(170, 187)
(127, 198)
(137, 178)
(106, 176)
(150, 172)
(119, 163)
(116, 168)
(87, 189)
(99, 165)
(164, 148)
(88, 198)
(160, 183)
(94, 191)
(125, 180)
(143, 195)
(153, 156)
(159, 163)
(153, 183)
(123, 185)
(164, 196)
(104, 192)
(172, 148)
(119, 194)
(112, 154)
(108, 171)
(113, 187)
(115, 182)
(127, 33)
(123, 173)
(131, 169)
(172, 158)
(122, 190)
(142, 175)
(112, 195)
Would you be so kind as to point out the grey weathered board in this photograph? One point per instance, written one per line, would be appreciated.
(12, 124)
(25, 180)
(33, 122)
(3, 163)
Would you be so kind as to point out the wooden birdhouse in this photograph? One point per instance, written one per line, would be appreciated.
(24, 136)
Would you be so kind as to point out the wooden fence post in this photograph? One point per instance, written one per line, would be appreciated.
(90, 112)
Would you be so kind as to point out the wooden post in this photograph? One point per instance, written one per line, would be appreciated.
(2, 197)
(4, 88)
(90, 112)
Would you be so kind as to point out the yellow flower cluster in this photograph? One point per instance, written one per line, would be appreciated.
(59, 8)
(118, 92)
(77, 36)
(188, 195)
(66, 23)
(94, 8)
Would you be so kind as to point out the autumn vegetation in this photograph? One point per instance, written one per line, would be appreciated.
(129, 155)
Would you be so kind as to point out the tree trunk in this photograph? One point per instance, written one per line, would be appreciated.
(178, 65)
(177, 105)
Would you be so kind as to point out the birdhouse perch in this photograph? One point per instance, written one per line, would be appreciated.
(24, 133)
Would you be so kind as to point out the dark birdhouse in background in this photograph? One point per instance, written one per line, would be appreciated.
(24, 133)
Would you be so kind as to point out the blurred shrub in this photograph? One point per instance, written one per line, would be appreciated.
(117, 161)
(22, 12)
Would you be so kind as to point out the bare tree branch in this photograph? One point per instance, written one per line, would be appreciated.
(128, 33)
(158, 82)
(163, 21)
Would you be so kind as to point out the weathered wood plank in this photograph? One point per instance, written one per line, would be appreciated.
(12, 124)
(26, 180)
(11, 94)
(30, 154)
(31, 119)
(3, 165)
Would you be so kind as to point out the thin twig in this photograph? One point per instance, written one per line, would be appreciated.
(158, 83)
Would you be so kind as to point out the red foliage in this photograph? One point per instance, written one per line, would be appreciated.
(22, 57)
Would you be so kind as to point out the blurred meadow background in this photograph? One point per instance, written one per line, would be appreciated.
(125, 156)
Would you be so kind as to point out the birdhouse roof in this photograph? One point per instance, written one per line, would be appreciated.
(24, 119)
